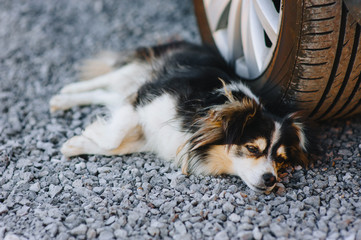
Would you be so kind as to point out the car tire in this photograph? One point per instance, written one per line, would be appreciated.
(316, 62)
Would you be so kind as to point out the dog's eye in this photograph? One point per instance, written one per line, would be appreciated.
(252, 149)
(280, 159)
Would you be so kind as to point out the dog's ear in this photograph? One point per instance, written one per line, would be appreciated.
(300, 136)
(224, 124)
(235, 118)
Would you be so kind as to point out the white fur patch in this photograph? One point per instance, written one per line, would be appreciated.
(161, 127)
(243, 88)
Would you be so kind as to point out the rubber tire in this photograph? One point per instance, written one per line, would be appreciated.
(317, 60)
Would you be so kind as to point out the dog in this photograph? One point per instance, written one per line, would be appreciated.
(184, 102)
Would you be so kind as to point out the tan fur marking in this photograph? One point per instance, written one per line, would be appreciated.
(281, 152)
(102, 63)
(260, 143)
(227, 93)
(132, 142)
(219, 161)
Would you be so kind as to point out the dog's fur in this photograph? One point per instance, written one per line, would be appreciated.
(184, 103)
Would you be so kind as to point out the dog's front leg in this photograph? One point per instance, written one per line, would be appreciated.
(109, 134)
(110, 137)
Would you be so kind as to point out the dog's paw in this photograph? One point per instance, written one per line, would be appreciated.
(70, 88)
(78, 145)
(60, 102)
(103, 135)
(78, 87)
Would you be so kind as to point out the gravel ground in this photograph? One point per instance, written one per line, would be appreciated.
(44, 196)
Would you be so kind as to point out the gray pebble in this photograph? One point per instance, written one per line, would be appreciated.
(92, 167)
(54, 190)
(257, 234)
(345, 152)
(222, 235)
(313, 201)
(279, 230)
(11, 236)
(153, 231)
(106, 235)
(180, 227)
(245, 235)
(228, 207)
(120, 234)
(234, 217)
(79, 230)
(44, 195)
(35, 187)
(98, 190)
(3, 208)
(23, 211)
(91, 234)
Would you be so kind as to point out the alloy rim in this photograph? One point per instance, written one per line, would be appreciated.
(245, 32)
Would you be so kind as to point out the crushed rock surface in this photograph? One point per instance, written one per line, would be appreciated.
(45, 196)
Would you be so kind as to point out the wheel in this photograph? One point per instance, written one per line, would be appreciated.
(302, 52)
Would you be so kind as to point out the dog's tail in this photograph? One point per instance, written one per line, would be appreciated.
(102, 63)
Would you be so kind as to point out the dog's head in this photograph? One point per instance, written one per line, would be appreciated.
(240, 138)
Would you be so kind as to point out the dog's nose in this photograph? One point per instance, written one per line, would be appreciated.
(269, 179)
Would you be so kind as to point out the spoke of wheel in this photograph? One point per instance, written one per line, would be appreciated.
(234, 30)
(220, 37)
(268, 16)
(252, 39)
(215, 10)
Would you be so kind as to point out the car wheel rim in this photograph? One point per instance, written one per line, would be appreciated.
(245, 32)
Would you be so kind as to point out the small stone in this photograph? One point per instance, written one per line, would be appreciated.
(133, 218)
(80, 166)
(228, 207)
(313, 201)
(245, 235)
(52, 229)
(22, 211)
(91, 234)
(82, 191)
(54, 190)
(77, 183)
(319, 234)
(345, 152)
(332, 180)
(11, 236)
(257, 233)
(222, 235)
(106, 235)
(110, 220)
(347, 177)
(120, 234)
(3, 208)
(153, 231)
(279, 231)
(92, 167)
(98, 190)
(35, 187)
(168, 206)
(79, 230)
(234, 217)
(104, 169)
(250, 213)
(180, 227)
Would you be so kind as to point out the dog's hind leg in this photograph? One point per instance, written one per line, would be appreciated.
(109, 134)
(121, 134)
(100, 96)
(132, 142)
(131, 76)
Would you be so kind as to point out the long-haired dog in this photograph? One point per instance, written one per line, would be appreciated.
(184, 103)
